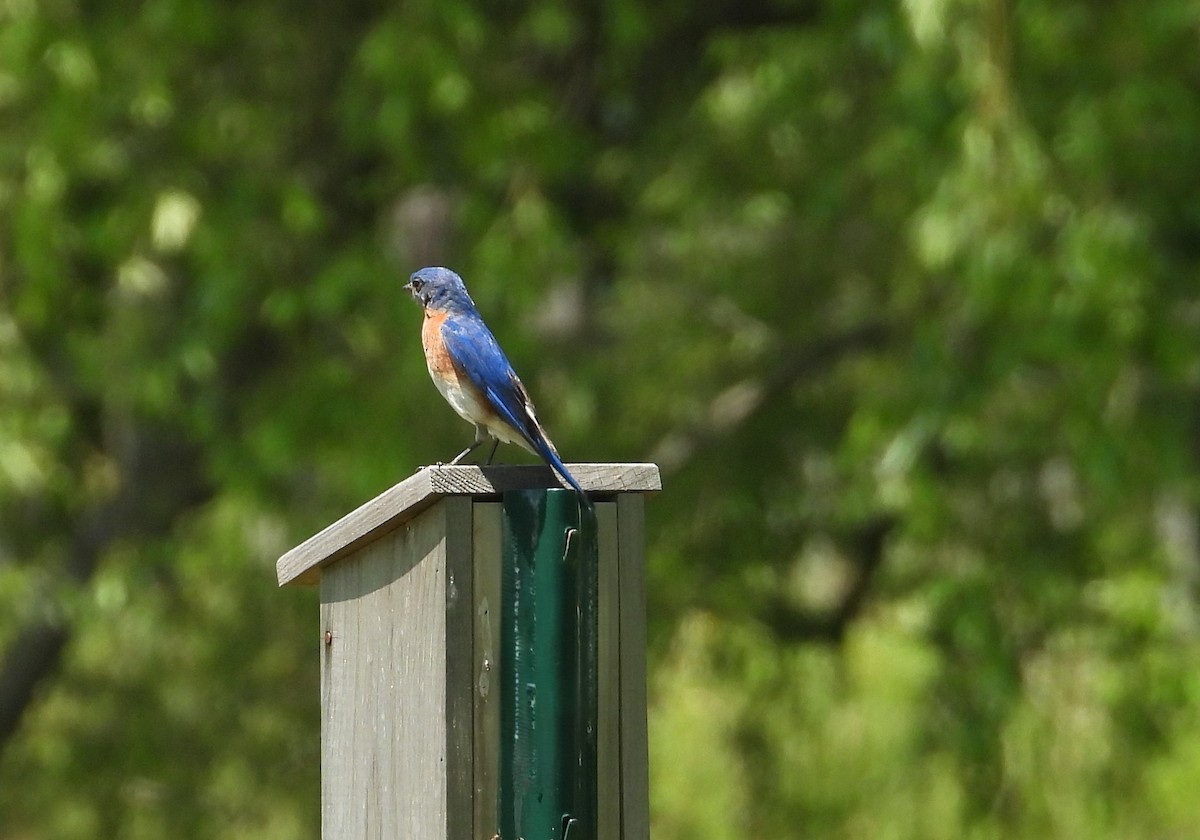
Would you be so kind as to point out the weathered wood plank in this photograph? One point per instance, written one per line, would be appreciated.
(399, 504)
(608, 730)
(635, 783)
(488, 552)
(460, 668)
(384, 731)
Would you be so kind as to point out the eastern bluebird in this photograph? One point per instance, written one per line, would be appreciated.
(474, 375)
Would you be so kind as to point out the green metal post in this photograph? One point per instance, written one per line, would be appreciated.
(548, 707)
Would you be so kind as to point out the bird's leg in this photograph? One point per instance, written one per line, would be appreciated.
(492, 454)
(466, 452)
(480, 437)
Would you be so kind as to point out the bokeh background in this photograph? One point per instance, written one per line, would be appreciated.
(904, 298)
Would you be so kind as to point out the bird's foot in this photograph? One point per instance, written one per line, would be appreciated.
(492, 454)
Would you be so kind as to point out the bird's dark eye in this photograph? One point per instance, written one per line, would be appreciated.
(417, 284)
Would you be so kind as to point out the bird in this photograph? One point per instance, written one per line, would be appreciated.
(473, 374)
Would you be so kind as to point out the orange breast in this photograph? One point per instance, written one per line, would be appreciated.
(436, 356)
(458, 390)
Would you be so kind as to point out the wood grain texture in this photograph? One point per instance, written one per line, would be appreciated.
(399, 504)
(460, 669)
(488, 551)
(394, 760)
(608, 724)
(635, 761)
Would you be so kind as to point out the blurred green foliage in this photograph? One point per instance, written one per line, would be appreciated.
(905, 300)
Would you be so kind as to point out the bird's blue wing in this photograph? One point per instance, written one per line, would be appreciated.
(477, 355)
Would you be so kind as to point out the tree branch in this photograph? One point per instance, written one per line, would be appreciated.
(865, 546)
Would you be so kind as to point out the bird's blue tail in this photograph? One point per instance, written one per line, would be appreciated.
(554, 461)
(514, 406)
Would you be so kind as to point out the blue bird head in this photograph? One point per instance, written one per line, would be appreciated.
(439, 288)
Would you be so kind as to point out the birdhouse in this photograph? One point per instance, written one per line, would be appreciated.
(483, 656)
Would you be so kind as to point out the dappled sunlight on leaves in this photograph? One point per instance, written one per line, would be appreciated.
(902, 298)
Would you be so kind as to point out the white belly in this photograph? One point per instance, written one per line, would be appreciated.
(470, 406)
(463, 400)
